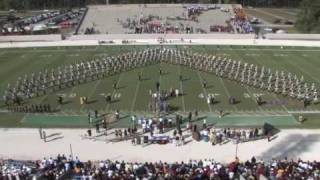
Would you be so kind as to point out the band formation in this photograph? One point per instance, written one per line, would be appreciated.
(279, 82)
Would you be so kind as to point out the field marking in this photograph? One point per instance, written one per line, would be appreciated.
(251, 95)
(136, 92)
(43, 98)
(227, 91)
(181, 87)
(23, 119)
(280, 55)
(114, 91)
(252, 54)
(204, 90)
(2, 53)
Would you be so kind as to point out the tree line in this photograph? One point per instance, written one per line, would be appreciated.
(51, 4)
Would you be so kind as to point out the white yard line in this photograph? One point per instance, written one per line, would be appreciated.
(227, 91)
(43, 98)
(23, 119)
(182, 97)
(136, 92)
(204, 90)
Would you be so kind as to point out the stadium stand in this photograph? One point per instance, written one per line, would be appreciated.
(62, 167)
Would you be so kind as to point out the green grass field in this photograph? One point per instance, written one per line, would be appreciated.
(132, 96)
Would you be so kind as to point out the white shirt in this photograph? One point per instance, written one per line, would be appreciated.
(110, 172)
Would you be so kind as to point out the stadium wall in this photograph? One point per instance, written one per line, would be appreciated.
(309, 37)
(165, 36)
(30, 38)
(149, 39)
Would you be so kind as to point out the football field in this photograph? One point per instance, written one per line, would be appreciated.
(132, 96)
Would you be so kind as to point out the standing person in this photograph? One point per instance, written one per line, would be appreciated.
(90, 120)
(60, 100)
(114, 85)
(140, 76)
(133, 118)
(117, 114)
(96, 114)
(305, 102)
(204, 84)
(97, 128)
(160, 71)
(220, 113)
(196, 113)
(85, 99)
(89, 117)
(81, 100)
(158, 86)
(269, 136)
(40, 133)
(190, 116)
(89, 132)
(108, 98)
(259, 100)
(204, 125)
(105, 125)
(44, 136)
(178, 122)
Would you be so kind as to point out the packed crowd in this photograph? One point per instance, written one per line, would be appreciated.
(72, 168)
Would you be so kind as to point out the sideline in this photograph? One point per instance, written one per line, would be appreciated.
(150, 41)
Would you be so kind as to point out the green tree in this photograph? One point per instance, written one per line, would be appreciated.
(309, 17)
